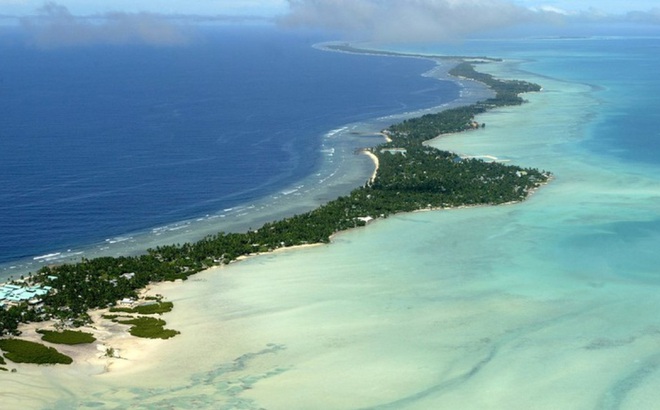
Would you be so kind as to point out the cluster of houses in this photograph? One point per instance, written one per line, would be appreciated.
(395, 151)
(127, 276)
(15, 294)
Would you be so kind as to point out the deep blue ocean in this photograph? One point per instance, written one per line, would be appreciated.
(102, 141)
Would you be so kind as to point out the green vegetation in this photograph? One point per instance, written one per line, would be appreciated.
(411, 176)
(147, 309)
(507, 92)
(67, 337)
(119, 309)
(148, 327)
(23, 351)
(11, 317)
(113, 317)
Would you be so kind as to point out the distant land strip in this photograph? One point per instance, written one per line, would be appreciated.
(349, 48)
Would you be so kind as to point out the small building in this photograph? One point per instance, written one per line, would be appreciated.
(401, 151)
(14, 294)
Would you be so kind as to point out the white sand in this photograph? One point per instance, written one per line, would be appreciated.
(374, 158)
(129, 352)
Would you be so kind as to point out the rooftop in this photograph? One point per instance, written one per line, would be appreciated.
(14, 293)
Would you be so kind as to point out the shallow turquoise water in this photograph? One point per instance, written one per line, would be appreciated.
(548, 304)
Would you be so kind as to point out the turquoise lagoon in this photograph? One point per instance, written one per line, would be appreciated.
(548, 304)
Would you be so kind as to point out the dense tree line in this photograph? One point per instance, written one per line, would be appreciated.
(413, 177)
(420, 129)
(507, 92)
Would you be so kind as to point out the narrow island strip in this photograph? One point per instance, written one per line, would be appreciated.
(409, 176)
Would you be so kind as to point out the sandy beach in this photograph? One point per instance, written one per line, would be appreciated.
(374, 158)
(128, 352)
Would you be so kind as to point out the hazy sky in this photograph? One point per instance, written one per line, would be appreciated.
(79, 22)
(271, 8)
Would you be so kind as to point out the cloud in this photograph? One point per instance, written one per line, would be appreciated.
(54, 26)
(639, 18)
(553, 9)
(645, 17)
(411, 20)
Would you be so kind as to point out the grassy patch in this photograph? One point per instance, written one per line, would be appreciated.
(22, 351)
(121, 309)
(150, 309)
(161, 307)
(157, 298)
(149, 327)
(66, 337)
(115, 317)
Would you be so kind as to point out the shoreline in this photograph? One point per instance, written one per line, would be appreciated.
(114, 334)
(376, 162)
(131, 353)
(92, 358)
(236, 219)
